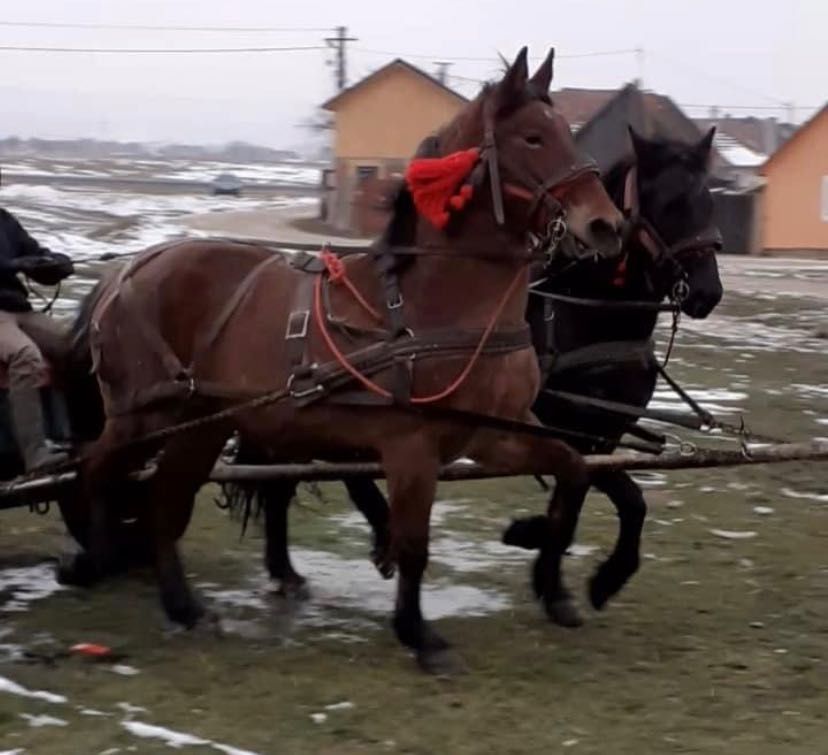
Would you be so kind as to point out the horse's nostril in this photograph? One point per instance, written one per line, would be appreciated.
(605, 236)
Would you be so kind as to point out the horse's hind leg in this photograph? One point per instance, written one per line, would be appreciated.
(629, 502)
(183, 466)
(107, 462)
(276, 497)
(368, 498)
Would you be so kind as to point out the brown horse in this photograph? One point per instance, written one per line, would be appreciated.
(199, 339)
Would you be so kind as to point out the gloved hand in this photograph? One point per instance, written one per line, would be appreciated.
(48, 269)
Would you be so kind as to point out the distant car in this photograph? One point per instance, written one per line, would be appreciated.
(226, 184)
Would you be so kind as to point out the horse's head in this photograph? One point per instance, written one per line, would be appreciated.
(673, 201)
(523, 172)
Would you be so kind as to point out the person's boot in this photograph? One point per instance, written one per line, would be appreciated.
(29, 430)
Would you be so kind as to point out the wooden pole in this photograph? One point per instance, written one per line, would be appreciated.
(323, 471)
(43, 488)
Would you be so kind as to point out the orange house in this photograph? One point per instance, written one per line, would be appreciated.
(378, 124)
(794, 203)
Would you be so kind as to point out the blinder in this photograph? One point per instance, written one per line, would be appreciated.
(708, 239)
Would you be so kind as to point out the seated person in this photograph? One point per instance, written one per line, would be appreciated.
(19, 328)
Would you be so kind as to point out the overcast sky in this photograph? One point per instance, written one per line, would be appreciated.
(730, 53)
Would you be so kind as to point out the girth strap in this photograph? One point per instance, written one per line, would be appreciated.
(605, 354)
(310, 385)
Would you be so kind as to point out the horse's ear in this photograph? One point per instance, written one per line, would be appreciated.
(542, 78)
(513, 84)
(704, 146)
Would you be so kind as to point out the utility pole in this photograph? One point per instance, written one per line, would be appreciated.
(338, 42)
(442, 71)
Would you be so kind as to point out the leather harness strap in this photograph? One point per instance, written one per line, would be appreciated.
(308, 382)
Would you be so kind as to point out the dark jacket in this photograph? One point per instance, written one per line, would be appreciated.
(20, 253)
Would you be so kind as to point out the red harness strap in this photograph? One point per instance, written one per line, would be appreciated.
(332, 262)
(337, 274)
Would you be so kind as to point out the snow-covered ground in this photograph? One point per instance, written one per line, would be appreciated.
(184, 170)
(88, 221)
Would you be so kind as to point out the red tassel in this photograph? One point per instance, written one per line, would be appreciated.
(434, 183)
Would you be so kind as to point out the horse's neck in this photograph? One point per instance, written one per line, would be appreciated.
(453, 287)
(577, 325)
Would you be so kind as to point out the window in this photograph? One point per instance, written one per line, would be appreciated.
(365, 172)
(824, 199)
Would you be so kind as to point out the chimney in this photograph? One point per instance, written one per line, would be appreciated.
(770, 135)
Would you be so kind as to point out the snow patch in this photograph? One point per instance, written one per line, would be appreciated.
(13, 688)
(178, 739)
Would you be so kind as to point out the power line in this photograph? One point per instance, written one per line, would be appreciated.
(159, 50)
(716, 77)
(157, 27)
(487, 59)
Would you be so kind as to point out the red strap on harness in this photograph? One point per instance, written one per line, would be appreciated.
(337, 274)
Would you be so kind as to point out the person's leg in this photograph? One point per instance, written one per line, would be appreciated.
(27, 373)
(49, 334)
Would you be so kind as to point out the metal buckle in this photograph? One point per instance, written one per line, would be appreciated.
(395, 303)
(555, 231)
(297, 325)
(681, 289)
(304, 393)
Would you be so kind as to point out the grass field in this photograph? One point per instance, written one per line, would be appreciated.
(718, 645)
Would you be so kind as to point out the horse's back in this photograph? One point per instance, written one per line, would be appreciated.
(150, 319)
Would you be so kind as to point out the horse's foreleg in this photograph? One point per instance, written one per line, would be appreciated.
(276, 498)
(629, 502)
(368, 498)
(411, 468)
(554, 533)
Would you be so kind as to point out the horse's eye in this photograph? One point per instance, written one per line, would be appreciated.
(534, 140)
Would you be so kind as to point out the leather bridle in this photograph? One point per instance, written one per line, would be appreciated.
(709, 239)
(546, 213)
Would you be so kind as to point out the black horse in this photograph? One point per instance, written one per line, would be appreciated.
(602, 352)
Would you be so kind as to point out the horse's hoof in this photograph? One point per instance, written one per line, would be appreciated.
(293, 588)
(76, 570)
(207, 626)
(529, 533)
(385, 566)
(599, 595)
(564, 613)
(185, 613)
(608, 580)
(440, 662)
